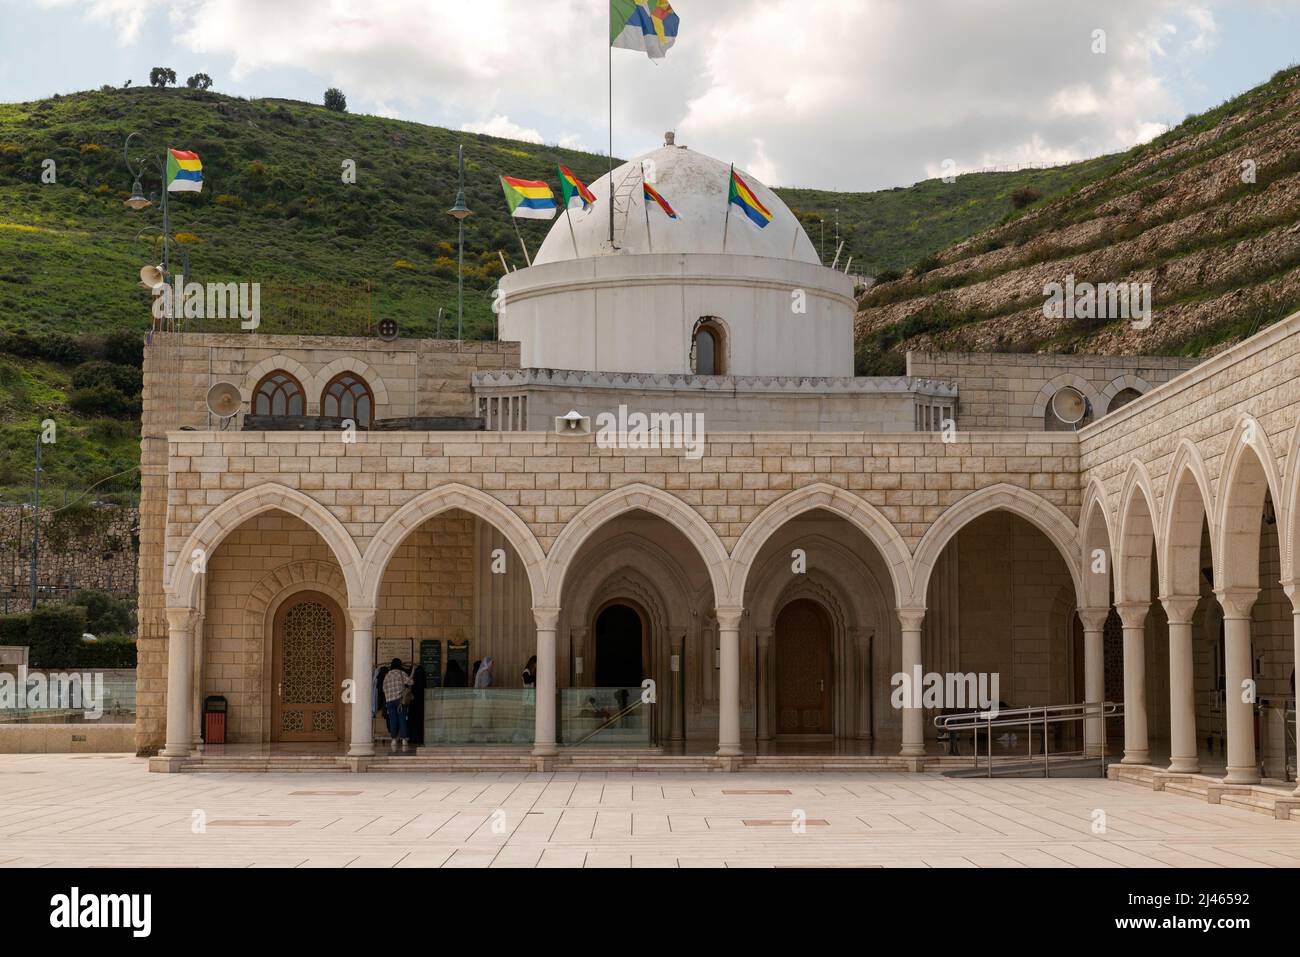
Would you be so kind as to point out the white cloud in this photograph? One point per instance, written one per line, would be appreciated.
(502, 126)
(122, 19)
(848, 94)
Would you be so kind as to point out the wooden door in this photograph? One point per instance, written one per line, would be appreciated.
(308, 668)
(803, 669)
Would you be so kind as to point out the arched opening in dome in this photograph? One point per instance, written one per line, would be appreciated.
(708, 348)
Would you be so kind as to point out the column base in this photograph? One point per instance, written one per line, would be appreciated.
(912, 751)
(729, 751)
(175, 751)
(1241, 776)
(361, 751)
(1184, 766)
(545, 751)
(1136, 757)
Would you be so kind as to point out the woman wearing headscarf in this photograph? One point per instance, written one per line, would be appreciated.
(484, 677)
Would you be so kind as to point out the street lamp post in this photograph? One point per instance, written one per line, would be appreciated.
(460, 212)
(139, 201)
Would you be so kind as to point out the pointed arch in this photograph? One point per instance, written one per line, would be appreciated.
(1139, 519)
(1249, 473)
(183, 582)
(1036, 510)
(288, 364)
(1188, 504)
(1096, 533)
(444, 498)
(822, 497)
(1291, 506)
(631, 498)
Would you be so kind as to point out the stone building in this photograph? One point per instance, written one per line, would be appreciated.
(743, 593)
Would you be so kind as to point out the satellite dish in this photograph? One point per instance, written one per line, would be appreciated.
(1069, 405)
(151, 277)
(224, 400)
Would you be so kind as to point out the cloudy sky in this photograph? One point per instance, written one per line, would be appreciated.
(838, 94)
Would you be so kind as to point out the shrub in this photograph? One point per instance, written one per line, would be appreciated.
(54, 635)
(187, 239)
(115, 651)
(104, 400)
(91, 148)
(335, 100)
(54, 346)
(229, 200)
(1025, 196)
(888, 275)
(90, 375)
(404, 264)
(124, 349)
(14, 629)
(105, 615)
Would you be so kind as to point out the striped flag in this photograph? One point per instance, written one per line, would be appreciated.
(741, 195)
(528, 198)
(184, 172)
(652, 194)
(648, 26)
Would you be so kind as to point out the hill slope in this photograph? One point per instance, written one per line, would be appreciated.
(1207, 214)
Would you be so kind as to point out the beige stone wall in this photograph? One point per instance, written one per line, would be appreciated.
(424, 377)
(1006, 391)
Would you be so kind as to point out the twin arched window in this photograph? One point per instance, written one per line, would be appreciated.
(347, 396)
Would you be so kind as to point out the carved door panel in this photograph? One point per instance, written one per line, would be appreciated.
(308, 666)
(803, 669)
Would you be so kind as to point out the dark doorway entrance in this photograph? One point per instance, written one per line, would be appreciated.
(803, 669)
(618, 648)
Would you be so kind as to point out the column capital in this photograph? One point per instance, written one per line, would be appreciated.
(1292, 589)
(1094, 619)
(363, 619)
(729, 618)
(1133, 613)
(1180, 608)
(911, 618)
(547, 618)
(182, 619)
(1237, 602)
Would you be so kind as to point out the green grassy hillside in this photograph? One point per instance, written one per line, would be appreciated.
(275, 209)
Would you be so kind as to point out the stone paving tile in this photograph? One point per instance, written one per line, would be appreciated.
(62, 811)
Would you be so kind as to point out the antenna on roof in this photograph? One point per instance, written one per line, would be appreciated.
(840, 249)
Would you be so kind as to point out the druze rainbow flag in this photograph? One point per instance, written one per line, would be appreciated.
(652, 194)
(571, 188)
(529, 198)
(742, 196)
(649, 26)
(184, 172)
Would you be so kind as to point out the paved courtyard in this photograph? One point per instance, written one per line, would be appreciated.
(95, 810)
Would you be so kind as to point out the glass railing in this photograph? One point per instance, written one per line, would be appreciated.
(54, 697)
(479, 716)
(605, 717)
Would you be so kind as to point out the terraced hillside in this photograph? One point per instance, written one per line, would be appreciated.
(1208, 214)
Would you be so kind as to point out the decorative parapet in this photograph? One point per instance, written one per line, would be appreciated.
(515, 379)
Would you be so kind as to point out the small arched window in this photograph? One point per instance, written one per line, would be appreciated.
(348, 397)
(708, 349)
(1123, 398)
(279, 393)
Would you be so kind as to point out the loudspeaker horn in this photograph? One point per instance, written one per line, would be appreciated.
(575, 423)
(151, 277)
(1069, 405)
(224, 400)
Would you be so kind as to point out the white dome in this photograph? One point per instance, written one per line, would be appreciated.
(695, 186)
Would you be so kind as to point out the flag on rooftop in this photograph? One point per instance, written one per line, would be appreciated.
(528, 198)
(648, 26)
(572, 189)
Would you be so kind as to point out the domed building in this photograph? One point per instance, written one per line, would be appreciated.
(705, 313)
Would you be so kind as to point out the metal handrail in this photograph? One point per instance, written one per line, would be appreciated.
(1031, 718)
(609, 722)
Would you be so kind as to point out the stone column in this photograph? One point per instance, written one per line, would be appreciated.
(677, 700)
(578, 649)
(1137, 742)
(196, 685)
(180, 648)
(544, 710)
(729, 682)
(1183, 757)
(913, 718)
(1292, 589)
(1238, 712)
(860, 641)
(764, 666)
(362, 743)
(1094, 676)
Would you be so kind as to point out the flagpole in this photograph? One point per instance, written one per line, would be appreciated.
(727, 225)
(522, 244)
(645, 204)
(568, 214)
(611, 132)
